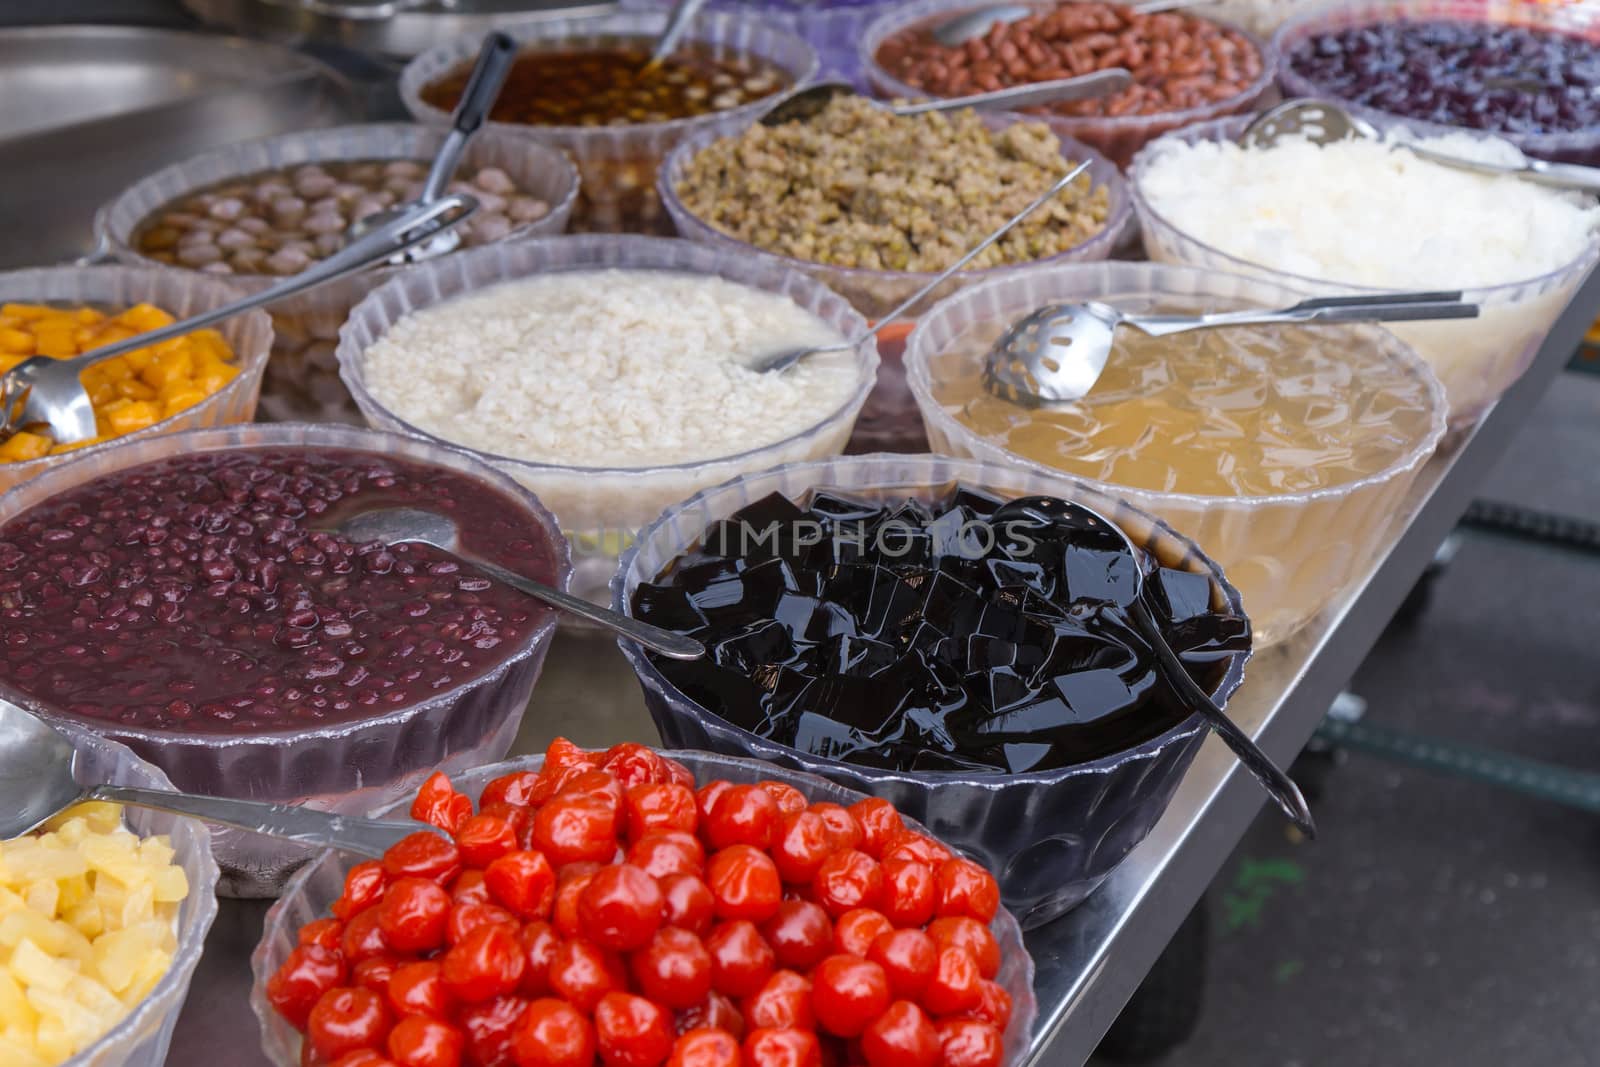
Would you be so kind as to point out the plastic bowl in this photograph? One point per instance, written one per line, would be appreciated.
(302, 380)
(890, 420)
(1476, 359)
(1050, 836)
(351, 767)
(619, 163)
(1289, 555)
(182, 294)
(316, 887)
(1580, 19)
(1119, 137)
(142, 1037)
(600, 508)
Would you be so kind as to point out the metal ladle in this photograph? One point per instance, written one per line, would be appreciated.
(971, 25)
(790, 357)
(1058, 352)
(396, 526)
(55, 393)
(807, 102)
(683, 13)
(37, 782)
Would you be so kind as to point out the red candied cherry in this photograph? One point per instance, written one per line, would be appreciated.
(782, 1048)
(515, 789)
(843, 830)
(466, 918)
(324, 933)
(423, 854)
(707, 795)
(620, 908)
(364, 1057)
(438, 804)
(487, 963)
(553, 1034)
(972, 935)
(660, 806)
(490, 1028)
(418, 989)
(687, 904)
(569, 890)
(801, 935)
(716, 1012)
(915, 846)
(909, 891)
(417, 1041)
(742, 815)
(801, 846)
(856, 930)
(705, 1048)
(363, 938)
(573, 828)
(674, 969)
(954, 986)
(582, 972)
(603, 786)
(901, 1037)
(539, 941)
(994, 1005)
(633, 764)
(374, 972)
(523, 883)
(908, 959)
(741, 959)
(469, 888)
(677, 773)
(483, 839)
(790, 800)
(363, 887)
(783, 1003)
(519, 819)
(561, 753)
(552, 780)
(744, 883)
(879, 821)
(970, 1043)
(848, 993)
(344, 1020)
(297, 985)
(663, 852)
(967, 889)
(631, 1031)
(413, 915)
(848, 879)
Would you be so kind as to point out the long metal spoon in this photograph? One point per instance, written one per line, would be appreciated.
(1324, 122)
(55, 395)
(494, 61)
(974, 24)
(806, 102)
(789, 358)
(395, 526)
(37, 781)
(683, 13)
(1058, 352)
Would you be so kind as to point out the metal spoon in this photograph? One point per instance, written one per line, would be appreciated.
(683, 13)
(37, 781)
(974, 24)
(477, 100)
(395, 526)
(807, 102)
(1057, 353)
(789, 358)
(1324, 122)
(55, 395)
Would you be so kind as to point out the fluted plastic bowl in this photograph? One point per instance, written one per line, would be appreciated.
(1050, 836)
(317, 886)
(1289, 555)
(1118, 136)
(618, 163)
(142, 1037)
(351, 767)
(1476, 359)
(302, 379)
(600, 508)
(181, 294)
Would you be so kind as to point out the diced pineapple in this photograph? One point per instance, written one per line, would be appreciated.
(22, 1051)
(15, 1011)
(43, 897)
(38, 970)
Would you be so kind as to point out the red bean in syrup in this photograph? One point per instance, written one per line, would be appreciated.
(190, 594)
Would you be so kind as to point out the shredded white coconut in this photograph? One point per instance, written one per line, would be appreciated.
(609, 368)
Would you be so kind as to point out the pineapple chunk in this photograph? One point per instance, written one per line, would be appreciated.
(21, 1050)
(38, 970)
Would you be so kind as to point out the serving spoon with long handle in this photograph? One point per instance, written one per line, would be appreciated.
(806, 102)
(37, 782)
(683, 13)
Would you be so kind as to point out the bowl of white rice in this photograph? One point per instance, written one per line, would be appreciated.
(1366, 215)
(610, 374)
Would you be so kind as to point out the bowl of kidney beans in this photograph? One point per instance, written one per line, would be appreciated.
(1528, 72)
(172, 594)
(986, 697)
(653, 908)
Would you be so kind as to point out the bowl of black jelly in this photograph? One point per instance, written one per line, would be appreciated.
(949, 634)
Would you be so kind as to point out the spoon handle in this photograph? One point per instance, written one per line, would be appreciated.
(303, 826)
(1396, 308)
(683, 13)
(677, 646)
(1084, 87)
(483, 88)
(1562, 175)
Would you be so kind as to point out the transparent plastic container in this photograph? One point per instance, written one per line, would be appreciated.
(619, 163)
(351, 767)
(890, 420)
(142, 1037)
(600, 508)
(316, 887)
(1118, 137)
(1289, 555)
(1050, 837)
(1476, 359)
(180, 293)
(302, 379)
(1580, 19)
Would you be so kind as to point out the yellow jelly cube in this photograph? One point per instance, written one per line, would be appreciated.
(144, 317)
(24, 446)
(17, 342)
(25, 312)
(169, 368)
(180, 399)
(132, 415)
(56, 341)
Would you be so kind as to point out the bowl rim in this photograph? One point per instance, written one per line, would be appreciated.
(352, 370)
(920, 378)
(322, 437)
(907, 16)
(707, 28)
(1095, 497)
(322, 146)
(1218, 130)
(211, 291)
(1102, 173)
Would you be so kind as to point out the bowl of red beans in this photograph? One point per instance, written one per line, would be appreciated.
(645, 907)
